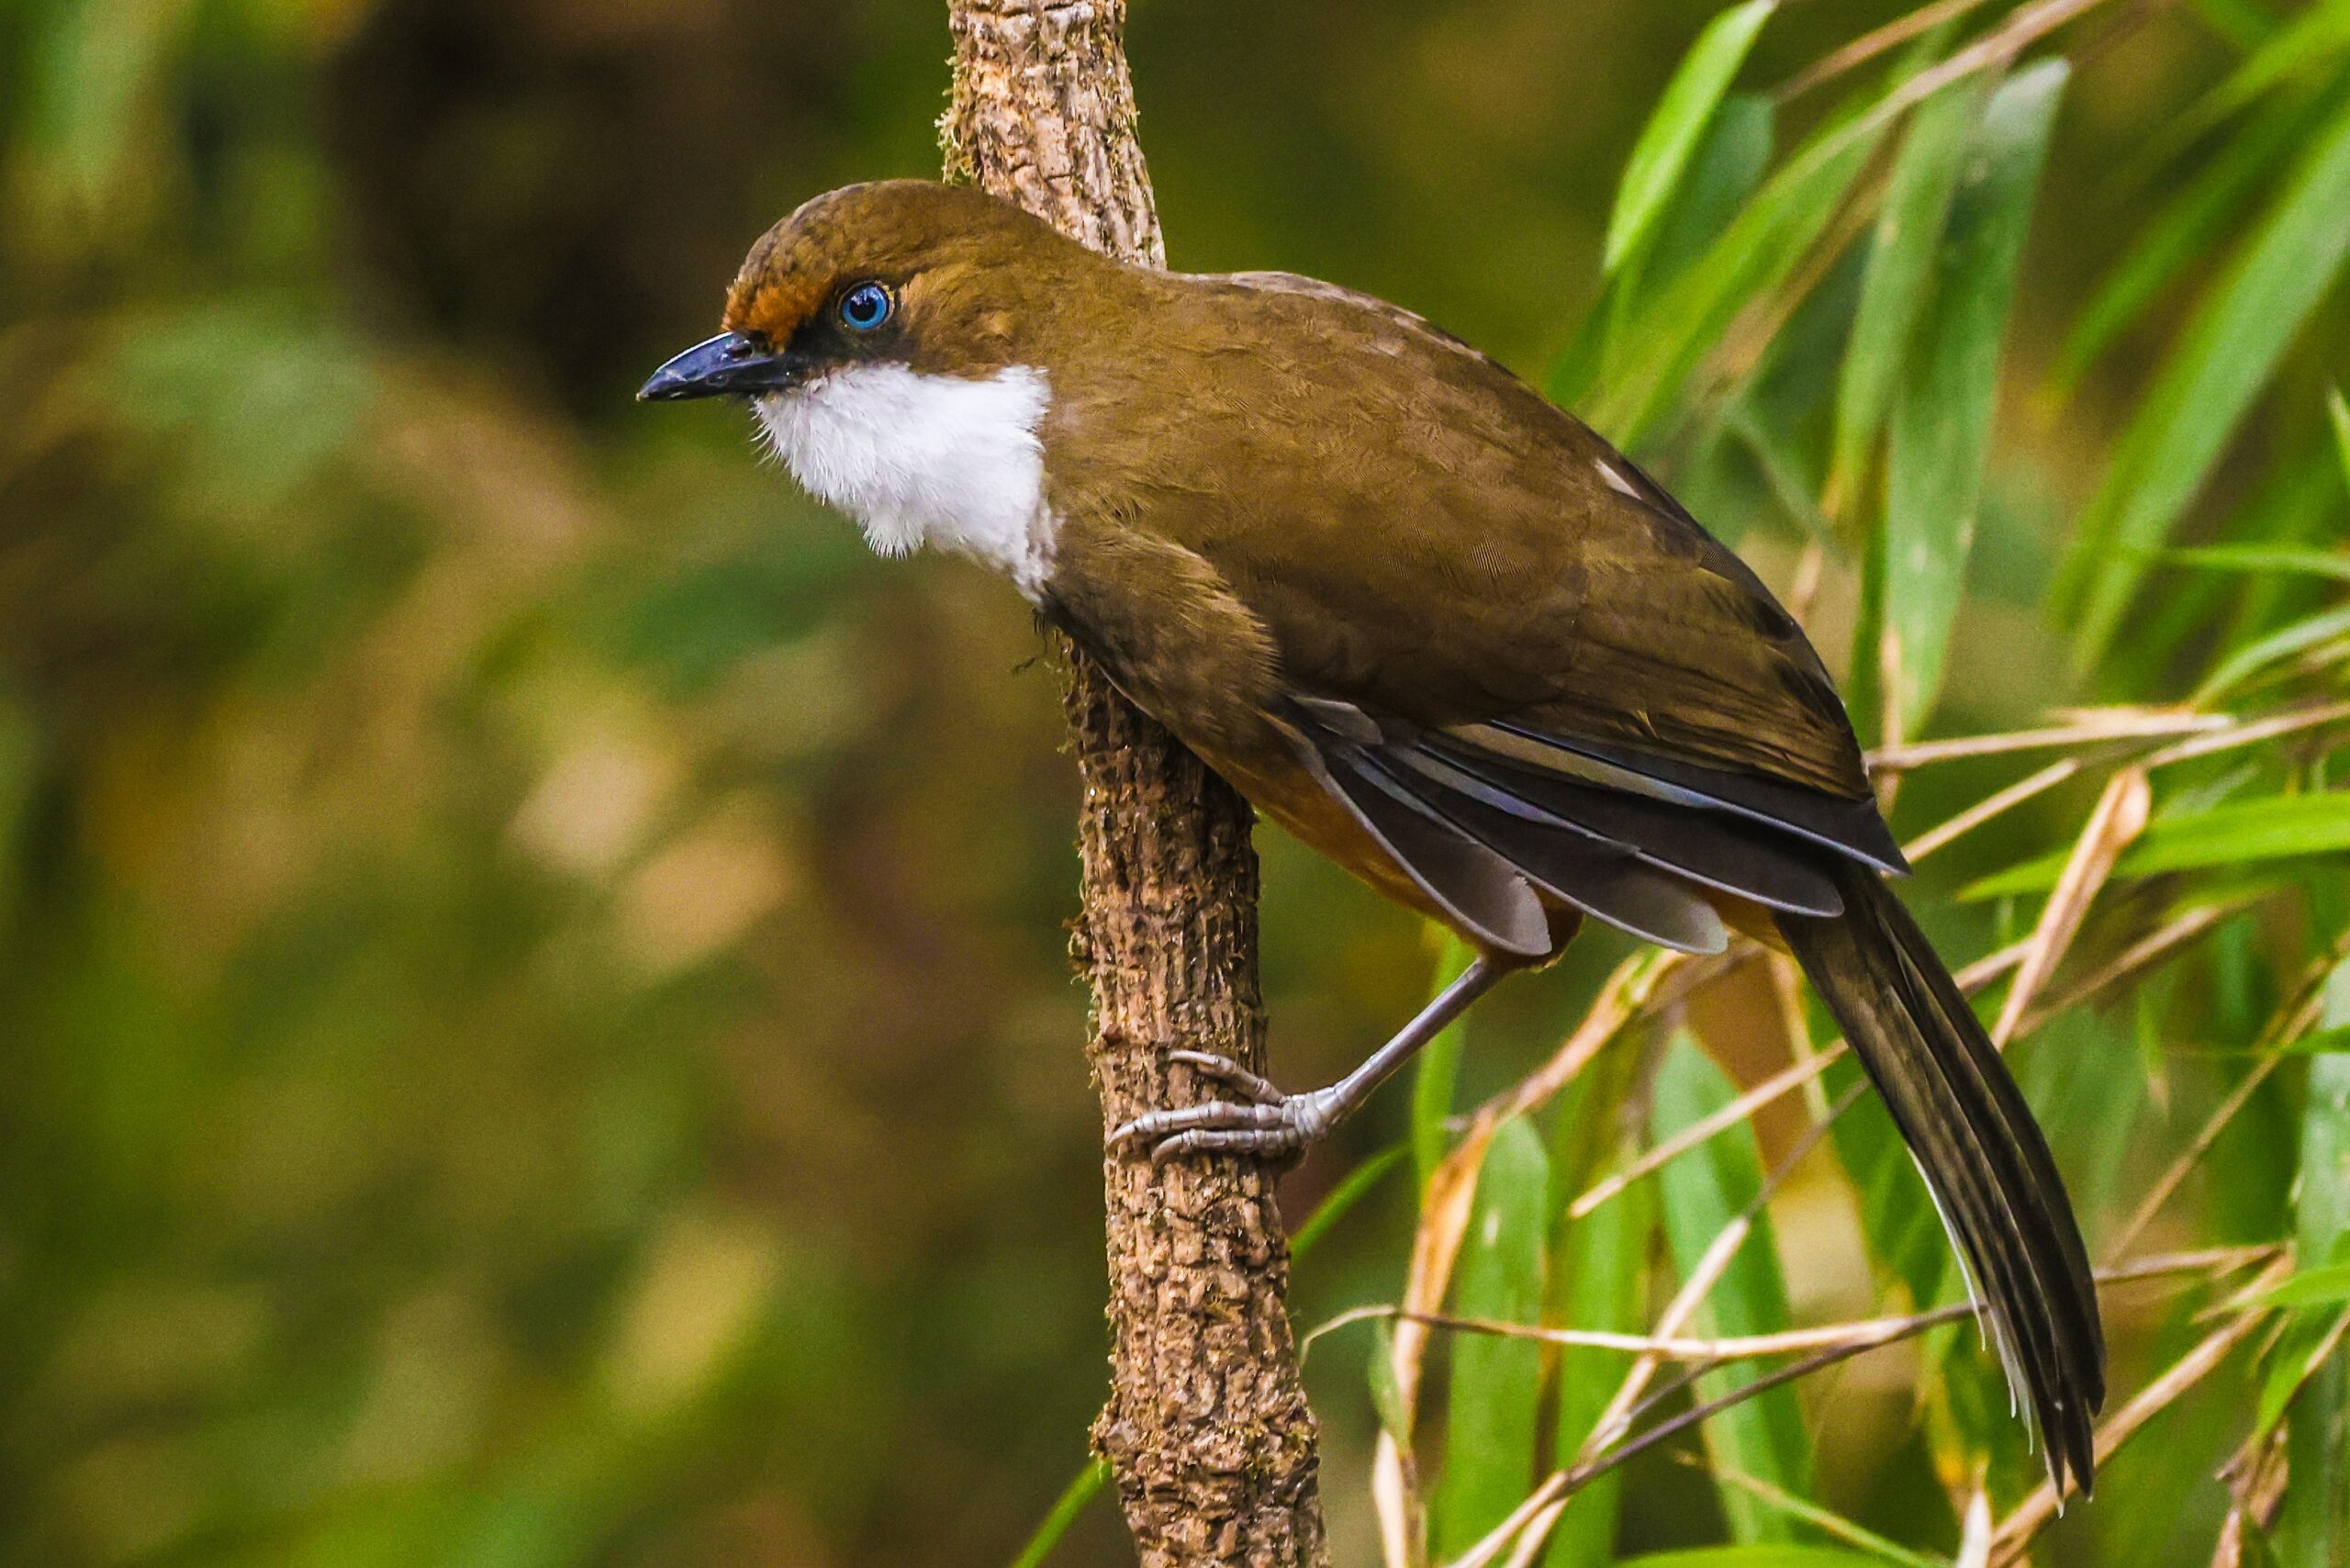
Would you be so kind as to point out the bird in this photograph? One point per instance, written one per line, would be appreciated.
(1433, 625)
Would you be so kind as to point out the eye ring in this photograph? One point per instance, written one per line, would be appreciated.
(865, 306)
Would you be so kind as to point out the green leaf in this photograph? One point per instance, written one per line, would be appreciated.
(1754, 256)
(1344, 1197)
(1831, 1523)
(1729, 168)
(2335, 564)
(2184, 231)
(2340, 412)
(2308, 46)
(89, 85)
(2283, 1380)
(1942, 426)
(1663, 153)
(2326, 1286)
(1756, 1556)
(1899, 280)
(1603, 1258)
(1386, 1393)
(2296, 504)
(2240, 22)
(2314, 1530)
(1494, 1410)
(1083, 1487)
(2226, 356)
(1700, 1193)
(2321, 1042)
(2281, 644)
(2277, 828)
(1728, 165)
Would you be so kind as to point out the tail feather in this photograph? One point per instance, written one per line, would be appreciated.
(1981, 1153)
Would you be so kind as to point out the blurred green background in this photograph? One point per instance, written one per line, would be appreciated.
(533, 1024)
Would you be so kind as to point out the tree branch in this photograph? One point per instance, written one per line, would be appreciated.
(1206, 1428)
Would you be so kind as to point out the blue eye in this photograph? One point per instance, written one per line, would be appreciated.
(865, 306)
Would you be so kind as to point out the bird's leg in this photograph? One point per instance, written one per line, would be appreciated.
(1269, 1122)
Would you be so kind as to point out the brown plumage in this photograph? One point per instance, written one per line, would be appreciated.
(1450, 638)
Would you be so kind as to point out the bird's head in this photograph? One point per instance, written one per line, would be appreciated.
(944, 280)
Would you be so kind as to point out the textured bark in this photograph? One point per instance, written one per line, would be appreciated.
(1207, 1429)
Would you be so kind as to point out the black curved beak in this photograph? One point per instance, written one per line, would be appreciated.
(729, 363)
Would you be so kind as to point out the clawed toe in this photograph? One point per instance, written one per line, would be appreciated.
(1260, 1141)
(1282, 1125)
(1227, 1071)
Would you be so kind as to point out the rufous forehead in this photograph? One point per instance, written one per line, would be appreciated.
(773, 303)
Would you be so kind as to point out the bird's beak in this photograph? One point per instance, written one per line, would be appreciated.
(729, 363)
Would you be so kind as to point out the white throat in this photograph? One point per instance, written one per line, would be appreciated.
(921, 459)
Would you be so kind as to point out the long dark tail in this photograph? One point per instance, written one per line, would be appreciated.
(1982, 1155)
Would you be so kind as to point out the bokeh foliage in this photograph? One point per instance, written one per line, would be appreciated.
(536, 1030)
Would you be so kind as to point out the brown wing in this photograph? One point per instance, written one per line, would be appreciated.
(1481, 616)
(1427, 536)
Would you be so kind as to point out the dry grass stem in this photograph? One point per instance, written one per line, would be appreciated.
(1869, 46)
(1627, 995)
(2208, 735)
(2295, 1018)
(2134, 959)
(2255, 1478)
(2119, 818)
(1860, 1334)
(2086, 728)
(1991, 806)
(2267, 729)
(1972, 979)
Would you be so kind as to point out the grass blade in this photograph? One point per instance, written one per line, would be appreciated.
(2182, 231)
(2314, 1528)
(1663, 153)
(2306, 559)
(1494, 1410)
(2227, 355)
(2240, 22)
(1942, 426)
(1083, 1487)
(1897, 283)
(2340, 412)
(1343, 1198)
(2280, 828)
(2330, 1285)
(1700, 1195)
(1601, 1258)
(1758, 251)
(2282, 644)
(1780, 1556)
(1831, 1523)
(1728, 165)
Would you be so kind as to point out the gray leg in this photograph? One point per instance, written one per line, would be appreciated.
(1273, 1123)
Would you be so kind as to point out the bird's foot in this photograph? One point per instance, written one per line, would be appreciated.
(1263, 1121)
